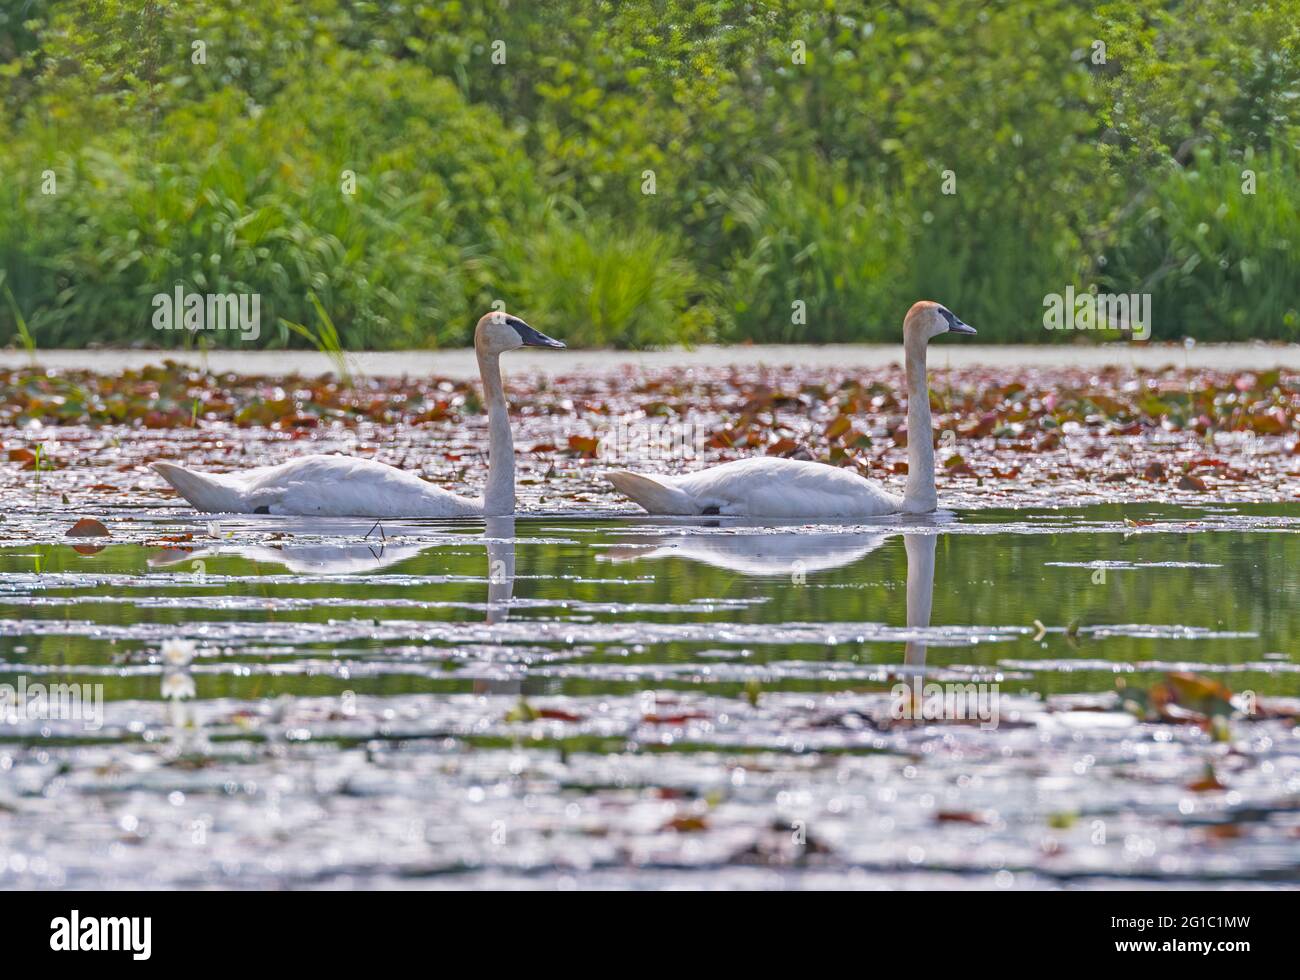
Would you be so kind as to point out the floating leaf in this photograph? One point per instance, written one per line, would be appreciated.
(87, 527)
(979, 819)
(687, 825)
(554, 714)
(838, 426)
(1208, 782)
(782, 447)
(584, 446)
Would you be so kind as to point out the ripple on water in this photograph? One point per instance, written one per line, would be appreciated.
(636, 702)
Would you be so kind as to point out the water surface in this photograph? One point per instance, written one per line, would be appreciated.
(627, 702)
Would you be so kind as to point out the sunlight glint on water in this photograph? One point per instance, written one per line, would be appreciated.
(630, 700)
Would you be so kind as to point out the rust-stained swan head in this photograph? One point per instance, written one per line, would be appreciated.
(498, 332)
(926, 320)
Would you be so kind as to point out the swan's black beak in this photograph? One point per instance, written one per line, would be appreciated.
(533, 338)
(955, 324)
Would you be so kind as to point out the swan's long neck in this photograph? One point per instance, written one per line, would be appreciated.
(499, 497)
(919, 497)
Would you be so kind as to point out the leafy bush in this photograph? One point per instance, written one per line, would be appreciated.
(846, 156)
(600, 283)
(227, 201)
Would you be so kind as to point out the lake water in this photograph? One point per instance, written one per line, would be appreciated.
(597, 701)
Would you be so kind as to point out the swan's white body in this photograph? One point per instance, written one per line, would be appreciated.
(344, 486)
(319, 486)
(771, 488)
(762, 486)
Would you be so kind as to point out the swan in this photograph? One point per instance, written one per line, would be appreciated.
(344, 486)
(771, 487)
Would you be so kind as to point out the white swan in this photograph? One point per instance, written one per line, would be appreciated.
(344, 486)
(771, 487)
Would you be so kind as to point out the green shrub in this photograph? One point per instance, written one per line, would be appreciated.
(223, 200)
(799, 150)
(1223, 263)
(596, 282)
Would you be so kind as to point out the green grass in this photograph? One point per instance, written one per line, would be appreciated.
(20, 322)
(325, 338)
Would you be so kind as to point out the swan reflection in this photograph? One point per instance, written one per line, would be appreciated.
(374, 552)
(499, 539)
(307, 559)
(789, 554)
(920, 591)
(354, 558)
(752, 554)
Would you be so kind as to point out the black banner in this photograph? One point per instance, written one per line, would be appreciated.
(331, 929)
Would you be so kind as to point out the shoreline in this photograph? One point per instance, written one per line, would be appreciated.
(460, 363)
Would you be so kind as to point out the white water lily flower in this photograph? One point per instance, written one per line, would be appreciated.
(178, 653)
(178, 684)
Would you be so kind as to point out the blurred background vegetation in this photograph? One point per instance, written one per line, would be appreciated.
(524, 182)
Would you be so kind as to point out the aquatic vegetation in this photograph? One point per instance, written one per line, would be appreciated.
(1043, 435)
(177, 653)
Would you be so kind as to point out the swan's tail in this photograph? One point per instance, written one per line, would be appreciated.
(654, 495)
(206, 493)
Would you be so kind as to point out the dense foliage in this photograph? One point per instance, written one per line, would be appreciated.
(815, 164)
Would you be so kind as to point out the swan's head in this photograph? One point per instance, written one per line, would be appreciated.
(926, 320)
(498, 332)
